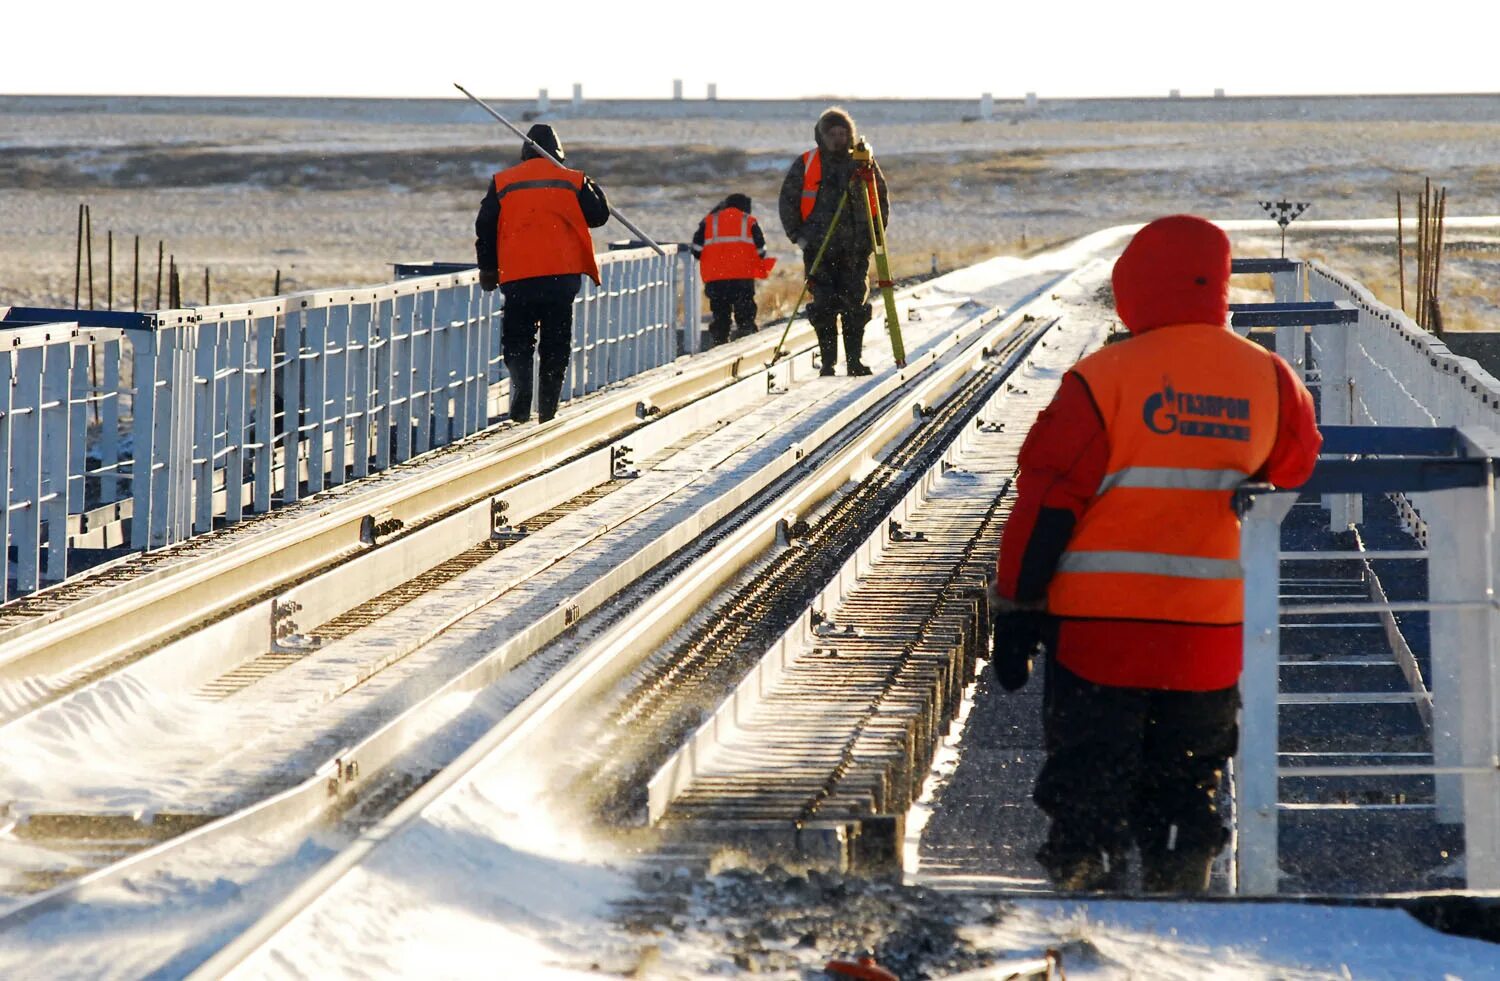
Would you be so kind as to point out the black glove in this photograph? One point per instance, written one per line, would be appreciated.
(1018, 637)
(489, 280)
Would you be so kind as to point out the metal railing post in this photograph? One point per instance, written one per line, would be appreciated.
(109, 422)
(362, 370)
(1291, 340)
(201, 449)
(588, 377)
(384, 419)
(236, 419)
(403, 337)
(1256, 791)
(315, 387)
(7, 379)
(56, 419)
(1336, 407)
(336, 380)
(182, 405)
(80, 394)
(26, 437)
(1461, 528)
(424, 382)
(265, 412)
(291, 404)
(145, 351)
(692, 302)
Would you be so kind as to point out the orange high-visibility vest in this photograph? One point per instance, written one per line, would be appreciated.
(541, 230)
(729, 250)
(812, 176)
(1190, 412)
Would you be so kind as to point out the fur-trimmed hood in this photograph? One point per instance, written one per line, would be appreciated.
(834, 115)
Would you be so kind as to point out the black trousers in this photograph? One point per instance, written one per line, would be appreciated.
(730, 298)
(541, 306)
(1132, 765)
(840, 304)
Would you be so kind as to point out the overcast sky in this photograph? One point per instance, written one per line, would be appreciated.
(750, 48)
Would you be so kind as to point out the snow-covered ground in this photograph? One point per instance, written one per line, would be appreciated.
(494, 883)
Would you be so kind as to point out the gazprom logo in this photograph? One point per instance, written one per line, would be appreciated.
(1170, 412)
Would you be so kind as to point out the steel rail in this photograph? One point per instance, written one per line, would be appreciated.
(684, 765)
(531, 726)
(207, 578)
(339, 777)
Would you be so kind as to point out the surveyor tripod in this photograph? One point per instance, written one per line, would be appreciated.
(863, 178)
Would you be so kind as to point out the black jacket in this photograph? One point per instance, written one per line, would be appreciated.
(591, 201)
(852, 237)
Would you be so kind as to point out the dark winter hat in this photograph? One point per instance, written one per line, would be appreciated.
(741, 201)
(1174, 271)
(834, 116)
(546, 138)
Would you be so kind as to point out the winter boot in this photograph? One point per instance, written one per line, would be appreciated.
(828, 344)
(520, 390)
(1184, 872)
(1091, 872)
(549, 393)
(854, 341)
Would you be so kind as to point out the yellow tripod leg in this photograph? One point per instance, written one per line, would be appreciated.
(883, 266)
(807, 281)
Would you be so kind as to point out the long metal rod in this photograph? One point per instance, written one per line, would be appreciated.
(546, 153)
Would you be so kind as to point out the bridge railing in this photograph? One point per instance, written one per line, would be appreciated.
(167, 425)
(1379, 369)
(1459, 698)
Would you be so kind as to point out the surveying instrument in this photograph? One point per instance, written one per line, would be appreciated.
(863, 178)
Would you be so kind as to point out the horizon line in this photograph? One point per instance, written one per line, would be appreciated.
(566, 99)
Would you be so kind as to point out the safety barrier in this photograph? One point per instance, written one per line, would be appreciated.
(1374, 369)
(1454, 473)
(172, 423)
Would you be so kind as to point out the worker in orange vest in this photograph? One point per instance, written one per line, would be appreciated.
(1120, 561)
(810, 195)
(532, 242)
(731, 251)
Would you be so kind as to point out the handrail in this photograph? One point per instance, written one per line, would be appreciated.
(173, 423)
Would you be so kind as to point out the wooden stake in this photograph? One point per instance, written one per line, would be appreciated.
(1400, 253)
(78, 259)
(207, 296)
(88, 235)
(1437, 258)
(1421, 312)
(109, 266)
(135, 277)
(160, 252)
(276, 290)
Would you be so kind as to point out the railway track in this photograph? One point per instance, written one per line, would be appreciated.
(613, 668)
(599, 496)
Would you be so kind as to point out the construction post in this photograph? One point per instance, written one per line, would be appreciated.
(78, 260)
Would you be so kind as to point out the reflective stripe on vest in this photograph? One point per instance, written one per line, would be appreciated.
(714, 227)
(729, 250)
(1174, 478)
(541, 229)
(1150, 564)
(534, 185)
(812, 176)
(1189, 412)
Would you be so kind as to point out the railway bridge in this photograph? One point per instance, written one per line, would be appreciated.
(283, 585)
